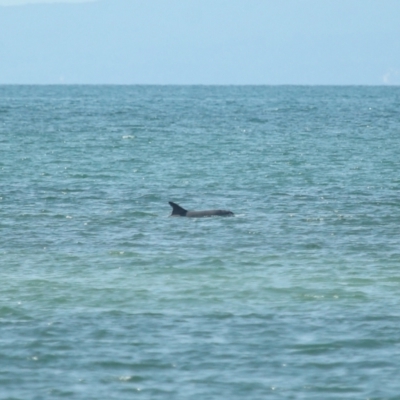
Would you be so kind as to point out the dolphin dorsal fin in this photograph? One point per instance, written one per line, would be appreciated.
(177, 209)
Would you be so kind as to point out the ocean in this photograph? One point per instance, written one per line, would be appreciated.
(103, 296)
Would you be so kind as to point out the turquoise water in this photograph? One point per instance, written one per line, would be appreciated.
(104, 297)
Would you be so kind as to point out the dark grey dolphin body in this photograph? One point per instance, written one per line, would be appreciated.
(178, 211)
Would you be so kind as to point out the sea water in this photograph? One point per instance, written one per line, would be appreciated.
(103, 296)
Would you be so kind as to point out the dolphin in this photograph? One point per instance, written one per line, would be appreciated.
(178, 211)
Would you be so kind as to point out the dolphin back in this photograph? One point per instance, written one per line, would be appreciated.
(209, 213)
(178, 211)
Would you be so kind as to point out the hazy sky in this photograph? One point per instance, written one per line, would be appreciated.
(200, 41)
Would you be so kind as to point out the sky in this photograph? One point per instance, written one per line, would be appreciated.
(219, 42)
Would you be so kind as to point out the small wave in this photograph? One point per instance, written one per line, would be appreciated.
(142, 214)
